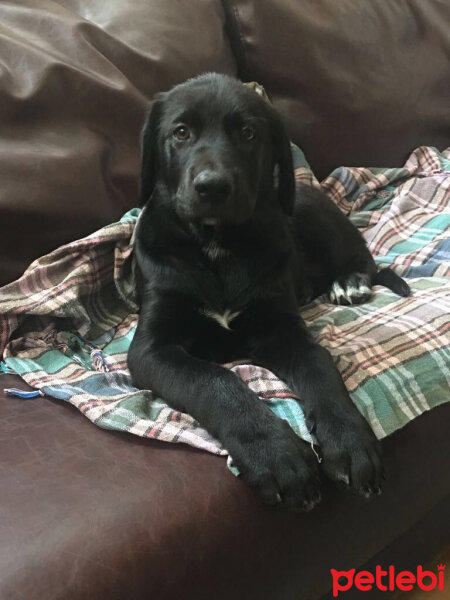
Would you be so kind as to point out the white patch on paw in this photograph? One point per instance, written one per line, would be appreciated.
(364, 290)
(337, 292)
(351, 293)
(358, 292)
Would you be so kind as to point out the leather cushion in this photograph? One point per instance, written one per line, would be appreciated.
(89, 513)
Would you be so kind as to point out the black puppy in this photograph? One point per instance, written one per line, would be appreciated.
(226, 254)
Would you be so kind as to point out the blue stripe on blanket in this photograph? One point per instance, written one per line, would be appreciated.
(441, 253)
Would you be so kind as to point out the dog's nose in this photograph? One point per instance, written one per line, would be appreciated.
(212, 185)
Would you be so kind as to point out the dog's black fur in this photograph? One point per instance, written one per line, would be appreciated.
(222, 233)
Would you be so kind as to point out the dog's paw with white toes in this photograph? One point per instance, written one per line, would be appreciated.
(351, 289)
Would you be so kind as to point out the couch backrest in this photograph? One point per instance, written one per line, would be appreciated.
(358, 83)
(77, 76)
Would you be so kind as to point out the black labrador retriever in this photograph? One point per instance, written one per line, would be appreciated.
(227, 251)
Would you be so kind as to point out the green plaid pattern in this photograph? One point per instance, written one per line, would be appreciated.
(66, 324)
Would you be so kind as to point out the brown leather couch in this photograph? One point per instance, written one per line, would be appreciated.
(90, 514)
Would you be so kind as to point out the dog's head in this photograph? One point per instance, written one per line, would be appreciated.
(218, 150)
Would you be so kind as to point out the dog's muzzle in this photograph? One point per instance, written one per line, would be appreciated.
(212, 186)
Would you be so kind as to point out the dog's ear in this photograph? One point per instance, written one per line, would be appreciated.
(286, 179)
(149, 150)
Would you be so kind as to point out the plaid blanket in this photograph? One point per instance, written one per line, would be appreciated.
(66, 324)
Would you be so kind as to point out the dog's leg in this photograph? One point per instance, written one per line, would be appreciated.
(335, 247)
(351, 453)
(276, 463)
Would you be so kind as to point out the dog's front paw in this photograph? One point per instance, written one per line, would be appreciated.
(352, 455)
(279, 466)
(351, 289)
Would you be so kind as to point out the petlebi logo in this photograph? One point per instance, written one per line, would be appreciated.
(389, 579)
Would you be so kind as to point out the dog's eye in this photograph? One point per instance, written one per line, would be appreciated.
(182, 133)
(247, 134)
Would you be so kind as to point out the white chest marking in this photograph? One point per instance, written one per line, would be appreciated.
(214, 251)
(223, 319)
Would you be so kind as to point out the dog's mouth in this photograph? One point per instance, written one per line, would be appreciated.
(190, 209)
(207, 230)
(234, 211)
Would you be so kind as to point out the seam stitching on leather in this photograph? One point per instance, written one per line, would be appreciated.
(237, 43)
